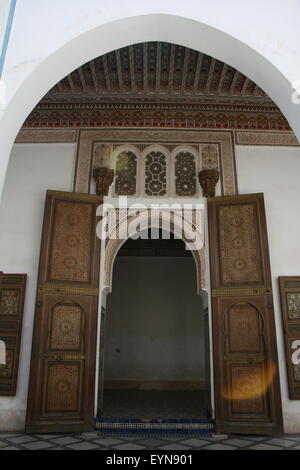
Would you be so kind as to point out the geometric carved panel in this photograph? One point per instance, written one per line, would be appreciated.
(185, 174)
(244, 379)
(66, 330)
(243, 329)
(70, 253)
(210, 157)
(239, 245)
(62, 389)
(126, 174)
(293, 305)
(155, 174)
(9, 302)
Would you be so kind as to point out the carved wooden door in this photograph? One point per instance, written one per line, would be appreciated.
(247, 389)
(62, 377)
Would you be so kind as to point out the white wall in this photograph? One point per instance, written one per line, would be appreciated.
(33, 168)
(154, 322)
(275, 172)
(49, 39)
(4, 9)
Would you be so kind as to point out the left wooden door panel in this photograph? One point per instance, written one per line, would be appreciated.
(62, 377)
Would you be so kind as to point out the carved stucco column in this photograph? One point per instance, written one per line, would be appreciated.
(103, 177)
(208, 180)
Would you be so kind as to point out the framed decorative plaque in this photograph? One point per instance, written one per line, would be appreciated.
(12, 293)
(290, 309)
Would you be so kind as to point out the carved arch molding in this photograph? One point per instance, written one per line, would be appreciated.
(186, 225)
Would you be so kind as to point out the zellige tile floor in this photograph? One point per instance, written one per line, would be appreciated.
(95, 441)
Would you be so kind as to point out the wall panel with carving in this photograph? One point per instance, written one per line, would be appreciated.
(290, 308)
(12, 293)
(162, 169)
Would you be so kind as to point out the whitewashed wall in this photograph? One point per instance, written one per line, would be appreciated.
(275, 172)
(49, 39)
(4, 9)
(154, 321)
(32, 170)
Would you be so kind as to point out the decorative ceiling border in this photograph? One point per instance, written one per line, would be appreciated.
(235, 115)
(215, 103)
(87, 138)
(36, 136)
(250, 137)
(266, 138)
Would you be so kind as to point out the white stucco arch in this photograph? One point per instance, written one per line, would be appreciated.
(172, 219)
(47, 42)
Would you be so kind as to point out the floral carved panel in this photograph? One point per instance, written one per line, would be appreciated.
(70, 256)
(239, 250)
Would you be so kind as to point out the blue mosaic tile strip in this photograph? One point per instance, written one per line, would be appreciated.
(154, 426)
(150, 420)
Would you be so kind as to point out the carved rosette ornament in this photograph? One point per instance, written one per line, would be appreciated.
(208, 180)
(104, 178)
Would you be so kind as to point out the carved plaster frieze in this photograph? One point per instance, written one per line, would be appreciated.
(88, 139)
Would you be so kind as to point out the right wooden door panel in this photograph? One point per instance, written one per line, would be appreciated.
(247, 389)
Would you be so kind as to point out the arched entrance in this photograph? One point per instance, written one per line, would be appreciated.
(156, 346)
(63, 383)
(186, 225)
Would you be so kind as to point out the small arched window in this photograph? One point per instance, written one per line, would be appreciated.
(185, 174)
(155, 173)
(126, 173)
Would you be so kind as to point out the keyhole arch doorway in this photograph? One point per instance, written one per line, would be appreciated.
(112, 248)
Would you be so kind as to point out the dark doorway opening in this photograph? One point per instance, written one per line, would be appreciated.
(156, 348)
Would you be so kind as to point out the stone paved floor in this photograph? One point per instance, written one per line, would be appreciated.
(94, 441)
